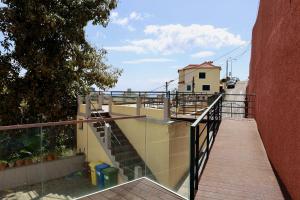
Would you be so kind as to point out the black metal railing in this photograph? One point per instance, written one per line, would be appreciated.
(202, 136)
(180, 103)
(238, 105)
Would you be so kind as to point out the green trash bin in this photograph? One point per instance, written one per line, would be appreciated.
(110, 177)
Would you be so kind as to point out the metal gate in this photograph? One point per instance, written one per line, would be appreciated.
(238, 106)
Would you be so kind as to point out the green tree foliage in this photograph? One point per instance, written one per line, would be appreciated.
(46, 39)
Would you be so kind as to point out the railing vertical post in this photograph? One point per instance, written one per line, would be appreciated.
(221, 108)
(207, 134)
(246, 106)
(214, 122)
(100, 100)
(183, 106)
(176, 99)
(195, 104)
(110, 102)
(231, 109)
(107, 133)
(166, 109)
(192, 163)
(197, 156)
(138, 106)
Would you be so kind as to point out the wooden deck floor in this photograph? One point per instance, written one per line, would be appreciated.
(141, 189)
(238, 167)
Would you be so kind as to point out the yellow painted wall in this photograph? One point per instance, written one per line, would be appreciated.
(212, 79)
(88, 144)
(124, 110)
(153, 113)
(179, 158)
(131, 110)
(164, 147)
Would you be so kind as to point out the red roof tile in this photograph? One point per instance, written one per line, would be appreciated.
(204, 65)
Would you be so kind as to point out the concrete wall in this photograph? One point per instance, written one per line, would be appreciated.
(88, 144)
(37, 173)
(163, 146)
(132, 111)
(274, 77)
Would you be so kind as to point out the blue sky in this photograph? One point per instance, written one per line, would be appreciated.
(151, 39)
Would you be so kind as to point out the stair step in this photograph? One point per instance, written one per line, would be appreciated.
(122, 155)
(98, 124)
(121, 148)
(122, 141)
(101, 133)
(130, 161)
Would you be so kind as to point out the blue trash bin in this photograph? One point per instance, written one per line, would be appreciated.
(100, 175)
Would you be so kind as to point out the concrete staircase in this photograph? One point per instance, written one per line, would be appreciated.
(119, 149)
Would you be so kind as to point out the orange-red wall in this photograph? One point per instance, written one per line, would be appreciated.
(275, 78)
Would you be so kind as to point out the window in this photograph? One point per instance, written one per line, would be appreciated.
(205, 87)
(202, 75)
(188, 87)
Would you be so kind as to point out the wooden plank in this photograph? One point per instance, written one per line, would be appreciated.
(141, 189)
(238, 167)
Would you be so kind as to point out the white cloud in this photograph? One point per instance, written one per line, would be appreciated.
(135, 16)
(203, 54)
(177, 38)
(148, 60)
(124, 21)
(126, 48)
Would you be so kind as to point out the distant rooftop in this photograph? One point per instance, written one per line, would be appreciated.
(205, 65)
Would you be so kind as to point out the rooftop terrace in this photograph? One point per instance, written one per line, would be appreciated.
(223, 158)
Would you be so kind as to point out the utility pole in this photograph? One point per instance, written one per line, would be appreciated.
(231, 66)
(226, 69)
(167, 85)
(193, 85)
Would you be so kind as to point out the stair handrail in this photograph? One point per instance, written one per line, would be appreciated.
(101, 117)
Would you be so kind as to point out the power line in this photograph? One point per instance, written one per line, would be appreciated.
(218, 58)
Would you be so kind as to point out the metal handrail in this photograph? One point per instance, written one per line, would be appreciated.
(69, 122)
(199, 154)
(99, 114)
(206, 111)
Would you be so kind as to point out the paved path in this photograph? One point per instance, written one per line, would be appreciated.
(232, 100)
(238, 167)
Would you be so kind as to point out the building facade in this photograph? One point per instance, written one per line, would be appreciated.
(203, 78)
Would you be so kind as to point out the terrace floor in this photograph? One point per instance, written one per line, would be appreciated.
(139, 189)
(238, 166)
